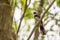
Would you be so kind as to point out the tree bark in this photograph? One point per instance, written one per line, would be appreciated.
(6, 19)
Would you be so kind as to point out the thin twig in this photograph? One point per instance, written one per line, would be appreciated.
(29, 2)
(23, 15)
(40, 20)
(48, 8)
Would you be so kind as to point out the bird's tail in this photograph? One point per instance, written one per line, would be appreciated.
(42, 29)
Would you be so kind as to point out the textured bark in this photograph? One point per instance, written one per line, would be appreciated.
(6, 19)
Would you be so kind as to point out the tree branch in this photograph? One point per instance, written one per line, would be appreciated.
(36, 33)
(47, 9)
(40, 20)
(23, 15)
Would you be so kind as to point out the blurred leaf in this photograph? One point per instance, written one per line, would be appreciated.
(59, 25)
(47, 22)
(45, 2)
(46, 16)
(52, 17)
(33, 9)
(15, 26)
(46, 31)
(51, 28)
(42, 37)
(13, 3)
(25, 19)
(39, 9)
(28, 14)
(56, 21)
(21, 1)
(50, 1)
(35, 4)
(28, 28)
(23, 4)
(55, 13)
(58, 3)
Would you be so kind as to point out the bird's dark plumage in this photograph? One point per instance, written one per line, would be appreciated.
(37, 17)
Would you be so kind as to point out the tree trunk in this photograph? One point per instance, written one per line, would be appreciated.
(6, 19)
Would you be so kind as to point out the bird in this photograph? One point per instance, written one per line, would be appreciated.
(37, 17)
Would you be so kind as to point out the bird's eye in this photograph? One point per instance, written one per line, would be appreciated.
(34, 13)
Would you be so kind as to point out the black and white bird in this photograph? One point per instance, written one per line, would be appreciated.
(37, 17)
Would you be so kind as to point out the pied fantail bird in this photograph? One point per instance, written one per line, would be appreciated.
(37, 17)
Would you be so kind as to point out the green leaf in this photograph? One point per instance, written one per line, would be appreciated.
(28, 28)
(42, 37)
(59, 25)
(13, 4)
(21, 1)
(46, 16)
(28, 14)
(15, 26)
(39, 9)
(51, 28)
(46, 31)
(35, 4)
(45, 2)
(58, 3)
(56, 21)
(47, 22)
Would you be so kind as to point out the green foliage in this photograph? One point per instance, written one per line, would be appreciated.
(42, 37)
(23, 3)
(53, 15)
(45, 2)
(58, 3)
(13, 4)
(51, 28)
(46, 16)
(47, 22)
(56, 22)
(28, 28)
(59, 25)
(39, 9)
(35, 5)
(15, 26)
(47, 31)
(28, 14)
